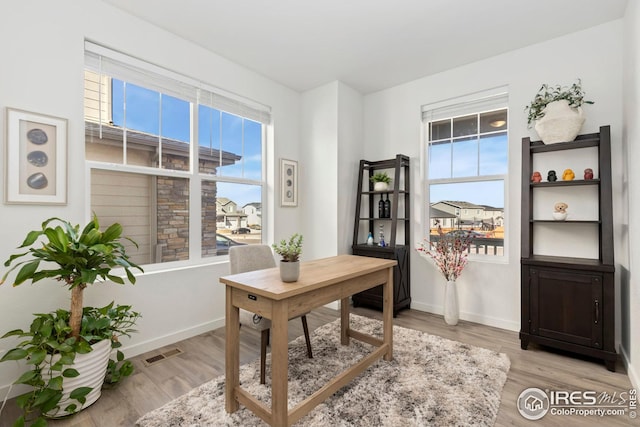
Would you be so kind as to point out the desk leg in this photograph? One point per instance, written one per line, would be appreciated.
(344, 321)
(232, 353)
(387, 314)
(280, 364)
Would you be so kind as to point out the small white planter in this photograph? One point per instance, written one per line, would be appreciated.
(380, 186)
(92, 367)
(289, 271)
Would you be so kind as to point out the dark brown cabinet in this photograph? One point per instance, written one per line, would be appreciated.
(395, 226)
(568, 302)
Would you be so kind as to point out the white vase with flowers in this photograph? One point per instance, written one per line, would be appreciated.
(449, 254)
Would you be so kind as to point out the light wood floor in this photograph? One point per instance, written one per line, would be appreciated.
(203, 359)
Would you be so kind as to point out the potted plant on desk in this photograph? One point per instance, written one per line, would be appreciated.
(290, 252)
(67, 352)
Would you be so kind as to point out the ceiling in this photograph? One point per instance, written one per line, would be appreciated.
(369, 45)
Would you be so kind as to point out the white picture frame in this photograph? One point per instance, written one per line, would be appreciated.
(288, 183)
(35, 158)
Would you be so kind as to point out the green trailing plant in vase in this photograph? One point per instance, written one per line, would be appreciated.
(573, 94)
(76, 258)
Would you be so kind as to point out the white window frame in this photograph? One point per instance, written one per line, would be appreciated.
(216, 98)
(475, 103)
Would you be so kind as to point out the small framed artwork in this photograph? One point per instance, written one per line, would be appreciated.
(36, 158)
(288, 182)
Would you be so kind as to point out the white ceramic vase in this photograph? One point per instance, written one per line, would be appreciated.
(92, 368)
(451, 310)
(380, 186)
(561, 123)
(289, 271)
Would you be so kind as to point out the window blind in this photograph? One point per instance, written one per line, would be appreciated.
(478, 102)
(105, 61)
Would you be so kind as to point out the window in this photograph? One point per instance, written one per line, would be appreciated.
(141, 125)
(466, 157)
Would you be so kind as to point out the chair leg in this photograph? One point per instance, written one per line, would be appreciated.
(306, 336)
(264, 340)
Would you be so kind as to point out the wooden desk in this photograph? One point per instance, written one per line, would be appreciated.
(321, 281)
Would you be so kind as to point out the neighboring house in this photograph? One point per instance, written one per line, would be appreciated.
(228, 215)
(469, 215)
(254, 214)
(441, 220)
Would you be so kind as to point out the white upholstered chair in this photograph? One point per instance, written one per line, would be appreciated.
(258, 257)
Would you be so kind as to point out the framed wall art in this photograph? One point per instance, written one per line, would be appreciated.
(36, 158)
(288, 182)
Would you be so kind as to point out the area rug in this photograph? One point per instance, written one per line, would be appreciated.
(431, 381)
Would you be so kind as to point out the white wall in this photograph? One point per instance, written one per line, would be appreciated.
(630, 284)
(42, 71)
(490, 291)
(330, 152)
(350, 149)
(319, 171)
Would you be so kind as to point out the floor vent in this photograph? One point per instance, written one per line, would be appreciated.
(157, 358)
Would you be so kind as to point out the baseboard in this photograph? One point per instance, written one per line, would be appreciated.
(471, 317)
(631, 372)
(172, 338)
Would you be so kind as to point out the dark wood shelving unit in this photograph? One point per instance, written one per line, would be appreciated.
(397, 249)
(568, 303)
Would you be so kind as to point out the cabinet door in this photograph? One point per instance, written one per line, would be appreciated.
(566, 305)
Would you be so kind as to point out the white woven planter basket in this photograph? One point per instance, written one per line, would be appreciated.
(561, 123)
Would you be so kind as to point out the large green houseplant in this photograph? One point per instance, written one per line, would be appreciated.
(54, 341)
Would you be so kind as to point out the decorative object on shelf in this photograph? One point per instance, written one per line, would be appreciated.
(370, 239)
(36, 161)
(381, 181)
(290, 252)
(449, 254)
(381, 208)
(381, 242)
(56, 343)
(551, 176)
(536, 177)
(560, 211)
(568, 175)
(557, 112)
(588, 173)
(288, 183)
(387, 207)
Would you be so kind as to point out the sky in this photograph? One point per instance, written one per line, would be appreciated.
(146, 111)
(469, 158)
